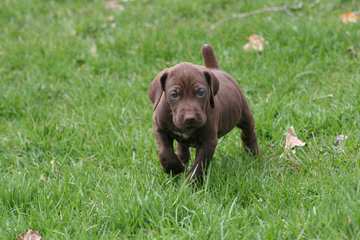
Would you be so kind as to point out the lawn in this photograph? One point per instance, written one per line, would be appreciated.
(77, 155)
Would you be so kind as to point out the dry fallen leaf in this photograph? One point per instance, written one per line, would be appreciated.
(339, 139)
(93, 50)
(43, 178)
(30, 235)
(353, 52)
(255, 43)
(292, 140)
(110, 19)
(350, 17)
(113, 5)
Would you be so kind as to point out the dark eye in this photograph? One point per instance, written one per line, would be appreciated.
(200, 92)
(174, 95)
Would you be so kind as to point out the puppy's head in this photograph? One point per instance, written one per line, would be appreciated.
(189, 91)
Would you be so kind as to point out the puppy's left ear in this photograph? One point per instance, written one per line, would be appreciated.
(213, 83)
(157, 87)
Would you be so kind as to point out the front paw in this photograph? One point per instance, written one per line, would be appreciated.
(171, 164)
(253, 149)
(183, 158)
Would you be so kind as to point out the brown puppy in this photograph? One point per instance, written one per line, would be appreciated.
(196, 105)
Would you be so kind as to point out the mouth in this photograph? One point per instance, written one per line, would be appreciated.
(191, 127)
(186, 129)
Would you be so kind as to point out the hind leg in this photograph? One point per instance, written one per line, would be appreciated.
(248, 135)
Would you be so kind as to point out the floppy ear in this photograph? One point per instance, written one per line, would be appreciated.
(213, 83)
(157, 87)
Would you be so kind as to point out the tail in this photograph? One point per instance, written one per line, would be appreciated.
(209, 57)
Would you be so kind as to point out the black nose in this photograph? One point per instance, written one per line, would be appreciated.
(190, 120)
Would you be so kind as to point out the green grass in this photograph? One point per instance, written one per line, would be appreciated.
(77, 155)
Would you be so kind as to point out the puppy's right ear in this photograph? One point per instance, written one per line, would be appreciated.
(157, 87)
(163, 80)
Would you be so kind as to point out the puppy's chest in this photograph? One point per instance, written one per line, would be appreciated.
(182, 135)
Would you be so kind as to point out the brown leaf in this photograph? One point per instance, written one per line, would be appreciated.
(114, 5)
(255, 43)
(292, 140)
(29, 235)
(350, 17)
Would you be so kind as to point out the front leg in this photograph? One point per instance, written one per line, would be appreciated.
(168, 159)
(183, 153)
(203, 156)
